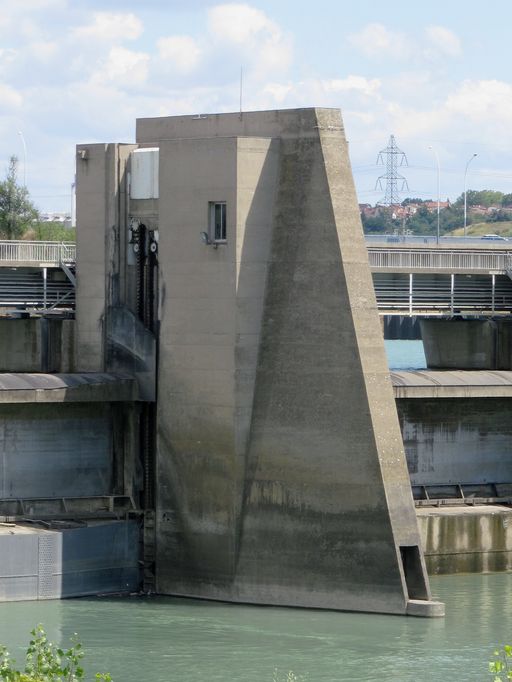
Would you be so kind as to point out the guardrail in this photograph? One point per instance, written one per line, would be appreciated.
(448, 260)
(47, 253)
(55, 253)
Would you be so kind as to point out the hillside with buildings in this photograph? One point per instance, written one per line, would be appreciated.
(486, 211)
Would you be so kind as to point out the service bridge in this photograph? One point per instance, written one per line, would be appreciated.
(442, 279)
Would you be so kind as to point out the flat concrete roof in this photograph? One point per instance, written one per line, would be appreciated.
(56, 388)
(452, 384)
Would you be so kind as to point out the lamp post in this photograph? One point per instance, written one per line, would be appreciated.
(438, 190)
(24, 159)
(465, 198)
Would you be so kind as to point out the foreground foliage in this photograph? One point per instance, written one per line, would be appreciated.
(501, 665)
(46, 662)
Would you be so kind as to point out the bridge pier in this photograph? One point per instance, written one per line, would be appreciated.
(458, 343)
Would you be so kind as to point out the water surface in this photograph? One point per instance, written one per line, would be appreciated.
(164, 639)
(405, 354)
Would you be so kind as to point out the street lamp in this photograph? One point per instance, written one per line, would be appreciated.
(438, 189)
(24, 159)
(465, 199)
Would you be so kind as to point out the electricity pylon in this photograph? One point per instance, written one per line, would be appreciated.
(395, 157)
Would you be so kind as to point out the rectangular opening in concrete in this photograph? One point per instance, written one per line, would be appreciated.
(413, 573)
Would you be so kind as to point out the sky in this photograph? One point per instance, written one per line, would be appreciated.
(435, 75)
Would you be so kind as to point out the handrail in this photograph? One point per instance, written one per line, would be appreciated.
(51, 253)
(436, 259)
(55, 253)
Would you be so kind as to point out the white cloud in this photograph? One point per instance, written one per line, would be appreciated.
(259, 39)
(278, 91)
(375, 40)
(238, 23)
(443, 41)
(7, 56)
(366, 86)
(182, 51)
(110, 27)
(7, 6)
(487, 102)
(10, 98)
(123, 67)
(44, 51)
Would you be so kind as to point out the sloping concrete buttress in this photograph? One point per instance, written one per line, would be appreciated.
(281, 476)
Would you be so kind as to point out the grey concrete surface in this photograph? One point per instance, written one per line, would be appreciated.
(457, 440)
(130, 347)
(55, 451)
(36, 344)
(467, 344)
(281, 476)
(451, 383)
(57, 388)
(467, 539)
(97, 558)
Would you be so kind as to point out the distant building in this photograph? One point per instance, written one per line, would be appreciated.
(56, 217)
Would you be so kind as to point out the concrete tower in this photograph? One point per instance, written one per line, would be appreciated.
(279, 470)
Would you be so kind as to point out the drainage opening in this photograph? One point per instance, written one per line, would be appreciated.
(413, 572)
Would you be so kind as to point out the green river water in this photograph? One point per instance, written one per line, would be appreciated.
(164, 639)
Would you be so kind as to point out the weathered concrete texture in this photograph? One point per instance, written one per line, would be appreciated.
(465, 383)
(36, 344)
(130, 347)
(59, 388)
(50, 451)
(100, 211)
(466, 539)
(97, 558)
(467, 344)
(457, 441)
(281, 473)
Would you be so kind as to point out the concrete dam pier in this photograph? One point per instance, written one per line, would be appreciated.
(221, 268)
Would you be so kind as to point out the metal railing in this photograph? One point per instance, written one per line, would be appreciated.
(442, 293)
(448, 260)
(43, 253)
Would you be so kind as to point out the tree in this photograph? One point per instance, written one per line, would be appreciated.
(16, 210)
(484, 197)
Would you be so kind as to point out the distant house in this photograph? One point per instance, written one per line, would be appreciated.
(431, 206)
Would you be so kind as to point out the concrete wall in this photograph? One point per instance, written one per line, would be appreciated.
(277, 431)
(460, 441)
(101, 240)
(467, 539)
(36, 345)
(99, 558)
(55, 450)
(467, 344)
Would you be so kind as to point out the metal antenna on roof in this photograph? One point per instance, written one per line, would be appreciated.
(241, 82)
(391, 176)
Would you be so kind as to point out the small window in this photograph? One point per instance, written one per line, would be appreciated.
(218, 221)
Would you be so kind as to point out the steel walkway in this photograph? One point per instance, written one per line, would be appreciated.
(421, 279)
(37, 276)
